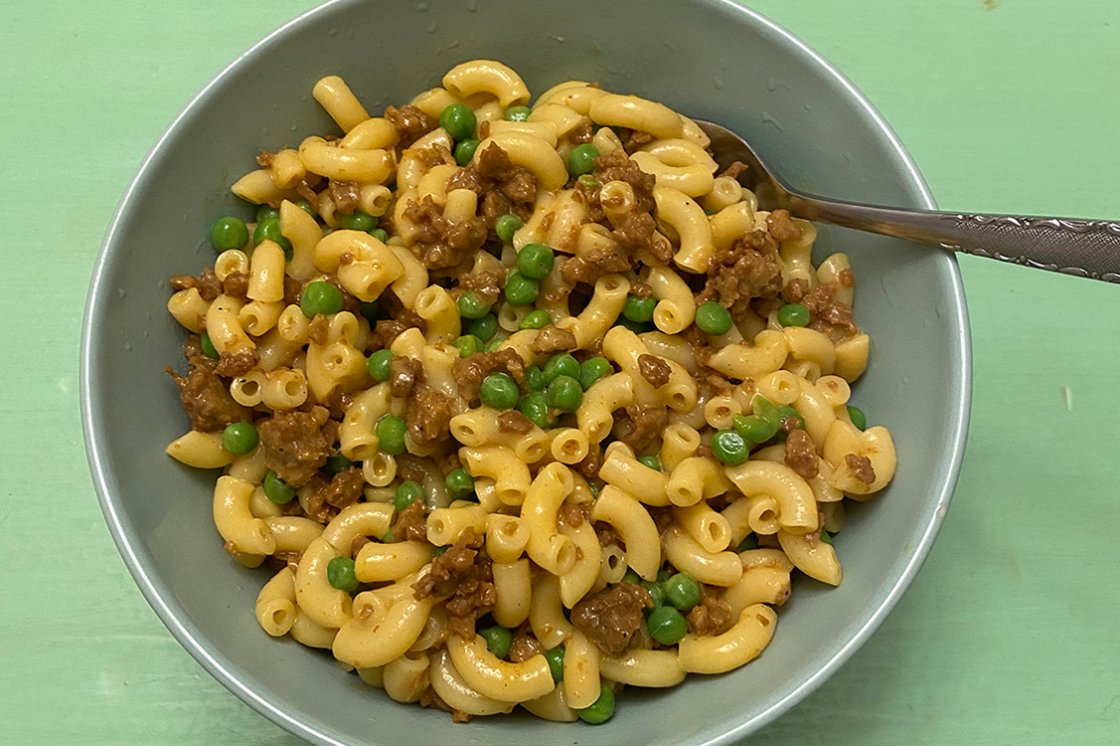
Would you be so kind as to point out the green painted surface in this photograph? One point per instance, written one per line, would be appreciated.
(1009, 634)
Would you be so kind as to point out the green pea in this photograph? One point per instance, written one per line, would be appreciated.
(538, 319)
(240, 438)
(506, 225)
(269, 230)
(713, 318)
(459, 483)
(338, 463)
(762, 407)
(594, 487)
(786, 411)
(521, 290)
(371, 311)
(340, 574)
(499, 391)
(358, 221)
(458, 120)
(518, 113)
(601, 710)
(682, 591)
(793, 314)
(495, 343)
(320, 297)
(228, 233)
(498, 639)
(651, 461)
(438, 551)
(564, 393)
(264, 212)
(407, 493)
(634, 326)
(378, 365)
(858, 418)
(535, 261)
(825, 537)
(277, 490)
(379, 234)
(534, 378)
(471, 306)
(534, 406)
(729, 447)
(663, 575)
(754, 429)
(592, 369)
(638, 309)
(555, 658)
(469, 344)
(582, 159)
(483, 328)
(667, 625)
(631, 577)
(656, 591)
(306, 207)
(588, 182)
(388, 537)
(464, 151)
(560, 364)
(390, 431)
(748, 543)
(207, 346)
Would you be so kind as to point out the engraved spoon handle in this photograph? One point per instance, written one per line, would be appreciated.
(1084, 248)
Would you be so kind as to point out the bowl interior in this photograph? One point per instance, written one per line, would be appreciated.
(746, 74)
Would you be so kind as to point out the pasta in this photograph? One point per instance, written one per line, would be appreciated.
(522, 404)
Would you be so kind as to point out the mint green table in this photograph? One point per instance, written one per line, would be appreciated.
(1011, 633)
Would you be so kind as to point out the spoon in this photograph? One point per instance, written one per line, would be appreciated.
(1084, 248)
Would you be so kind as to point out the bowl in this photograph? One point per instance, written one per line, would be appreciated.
(707, 58)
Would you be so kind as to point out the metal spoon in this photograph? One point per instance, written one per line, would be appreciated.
(1085, 248)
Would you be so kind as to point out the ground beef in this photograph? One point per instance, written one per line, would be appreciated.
(749, 269)
(826, 314)
(795, 290)
(512, 421)
(357, 543)
(206, 400)
(781, 227)
(502, 186)
(428, 416)
(318, 331)
(581, 134)
(709, 617)
(470, 371)
(632, 140)
(404, 374)
(410, 123)
(715, 381)
(639, 289)
(607, 535)
(208, 284)
(735, 169)
(618, 167)
(551, 339)
(594, 264)
(589, 467)
(438, 242)
(646, 425)
(345, 195)
(655, 370)
(662, 516)
(610, 617)
(384, 333)
(296, 444)
(524, 645)
(236, 285)
(305, 189)
(344, 488)
(487, 285)
(293, 289)
(233, 364)
(573, 515)
(411, 523)
(265, 158)
(635, 233)
(317, 506)
(861, 468)
(801, 454)
(462, 575)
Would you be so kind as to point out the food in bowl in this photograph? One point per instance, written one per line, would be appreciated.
(520, 404)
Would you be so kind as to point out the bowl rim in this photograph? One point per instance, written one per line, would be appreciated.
(174, 618)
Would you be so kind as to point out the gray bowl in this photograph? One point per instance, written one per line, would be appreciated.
(710, 59)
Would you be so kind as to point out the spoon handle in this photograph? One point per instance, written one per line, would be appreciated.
(1084, 248)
